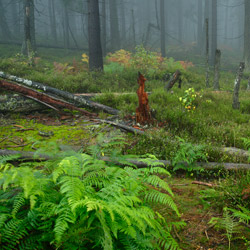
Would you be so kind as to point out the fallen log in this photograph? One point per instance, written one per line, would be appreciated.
(175, 77)
(41, 97)
(66, 95)
(140, 163)
(17, 103)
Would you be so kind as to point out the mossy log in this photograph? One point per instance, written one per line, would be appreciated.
(17, 103)
(137, 162)
(77, 100)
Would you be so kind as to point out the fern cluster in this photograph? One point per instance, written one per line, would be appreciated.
(82, 202)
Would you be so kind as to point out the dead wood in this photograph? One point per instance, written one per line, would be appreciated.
(203, 183)
(41, 97)
(140, 163)
(143, 115)
(18, 103)
(66, 95)
(122, 126)
(175, 77)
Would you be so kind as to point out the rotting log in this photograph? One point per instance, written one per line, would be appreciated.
(236, 103)
(41, 97)
(17, 103)
(143, 115)
(174, 78)
(66, 95)
(140, 163)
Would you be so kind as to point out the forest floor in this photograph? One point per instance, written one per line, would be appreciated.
(213, 122)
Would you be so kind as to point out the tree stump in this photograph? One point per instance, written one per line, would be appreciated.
(143, 114)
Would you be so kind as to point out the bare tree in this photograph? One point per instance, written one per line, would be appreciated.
(94, 31)
(213, 32)
(52, 17)
(29, 43)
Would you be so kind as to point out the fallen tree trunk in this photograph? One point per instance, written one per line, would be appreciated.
(66, 95)
(41, 97)
(17, 103)
(137, 162)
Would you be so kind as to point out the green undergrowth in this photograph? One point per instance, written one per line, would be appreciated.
(27, 135)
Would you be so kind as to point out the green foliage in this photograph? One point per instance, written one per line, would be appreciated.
(83, 202)
(227, 223)
(187, 156)
(188, 100)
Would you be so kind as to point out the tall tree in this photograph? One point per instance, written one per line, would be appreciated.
(4, 27)
(180, 20)
(104, 27)
(199, 24)
(66, 24)
(94, 31)
(247, 36)
(213, 31)
(163, 31)
(52, 17)
(29, 43)
(114, 26)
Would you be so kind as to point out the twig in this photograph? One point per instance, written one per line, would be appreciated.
(4, 139)
(203, 183)
(17, 146)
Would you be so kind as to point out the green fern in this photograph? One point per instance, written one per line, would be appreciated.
(81, 197)
(227, 223)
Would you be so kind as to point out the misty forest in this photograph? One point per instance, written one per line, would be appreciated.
(125, 124)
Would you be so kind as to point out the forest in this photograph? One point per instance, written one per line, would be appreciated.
(125, 124)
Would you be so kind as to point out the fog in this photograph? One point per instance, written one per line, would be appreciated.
(127, 23)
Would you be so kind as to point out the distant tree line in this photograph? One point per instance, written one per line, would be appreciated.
(71, 24)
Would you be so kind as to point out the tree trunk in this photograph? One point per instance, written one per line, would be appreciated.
(180, 20)
(29, 43)
(114, 26)
(217, 70)
(68, 96)
(95, 48)
(123, 23)
(176, 77)
(66, 26)
(4, 27)
(207, 52)
(52, 18)
(247, 35)
(248, 84)
(163, 35)
(104, 28)
(214, 32)
(236, 103)
(133, 28)
(199, 26)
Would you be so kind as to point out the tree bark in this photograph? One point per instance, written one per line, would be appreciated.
(236, 103)
(66, 25)
(41, 97)
(104, 28)
(95, 48)
(217, 70)
(247, 35)
(29, 43)
(18, 104)
(66, 95)
(174, 78)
